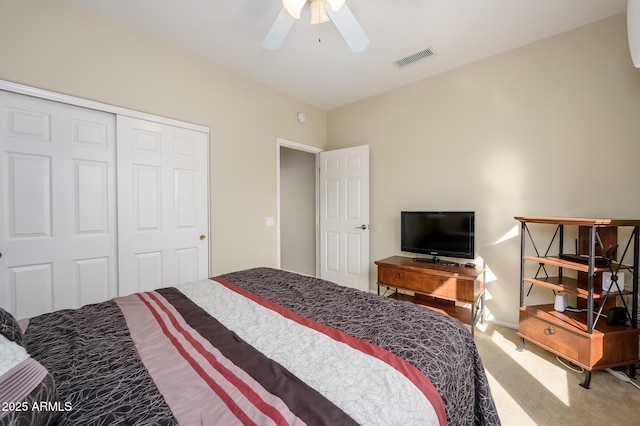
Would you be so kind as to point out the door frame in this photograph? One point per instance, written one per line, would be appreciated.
(85, 103)
(284, 143)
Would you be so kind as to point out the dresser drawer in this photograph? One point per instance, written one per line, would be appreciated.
(565, 335)
(434, 285)
(550, 336)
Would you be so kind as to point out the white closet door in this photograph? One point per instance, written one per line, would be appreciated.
(163, 215)
(57, 205)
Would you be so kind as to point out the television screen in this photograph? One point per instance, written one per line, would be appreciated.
(438, 234)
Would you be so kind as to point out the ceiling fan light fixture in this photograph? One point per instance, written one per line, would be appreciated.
(318, 12)
(336, 5)
(346, 24)
(294, 7)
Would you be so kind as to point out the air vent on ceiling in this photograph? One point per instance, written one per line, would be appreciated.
(412, 59)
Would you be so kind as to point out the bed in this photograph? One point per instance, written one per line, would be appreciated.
(261, 346)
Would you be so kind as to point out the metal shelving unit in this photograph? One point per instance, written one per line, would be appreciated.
(583, 338)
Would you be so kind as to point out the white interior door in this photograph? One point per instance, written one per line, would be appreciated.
(163, 214)
(344, 216)
(57, 205)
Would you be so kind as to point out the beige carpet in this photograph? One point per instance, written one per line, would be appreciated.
(533, 388)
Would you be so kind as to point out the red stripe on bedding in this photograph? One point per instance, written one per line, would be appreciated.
(269, 410)
(408, 370)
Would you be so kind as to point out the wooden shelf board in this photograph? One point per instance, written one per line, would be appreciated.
(443, 306)
(575, 266)
(458, 271)
(579, 221)
(570, 286)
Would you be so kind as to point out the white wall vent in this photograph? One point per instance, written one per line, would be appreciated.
(412, 59)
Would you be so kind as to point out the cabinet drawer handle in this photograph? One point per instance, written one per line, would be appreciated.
(549, 331)
(441, 283)
(399, 275)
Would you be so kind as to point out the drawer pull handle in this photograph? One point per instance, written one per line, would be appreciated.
(549, 331)
(441, 283)
(399, 275)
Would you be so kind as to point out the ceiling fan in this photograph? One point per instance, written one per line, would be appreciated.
(321, 11)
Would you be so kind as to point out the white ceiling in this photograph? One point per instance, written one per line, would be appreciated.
(327, 74)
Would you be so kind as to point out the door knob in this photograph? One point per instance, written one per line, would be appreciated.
(202, 237)
(362, 227)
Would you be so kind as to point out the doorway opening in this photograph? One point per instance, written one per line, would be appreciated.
(297, 216)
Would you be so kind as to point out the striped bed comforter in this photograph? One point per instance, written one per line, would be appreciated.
(262, 347)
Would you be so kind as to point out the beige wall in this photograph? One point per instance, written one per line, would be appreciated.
(548, 129)
(52, 45)
(551, 129)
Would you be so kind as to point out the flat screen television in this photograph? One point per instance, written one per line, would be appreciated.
(444, 233)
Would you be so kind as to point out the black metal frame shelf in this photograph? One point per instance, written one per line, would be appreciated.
(590, 264)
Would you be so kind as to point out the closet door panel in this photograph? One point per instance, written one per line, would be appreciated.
(147, 199)
(91, 198)
(57, 197)
(93, 276)
(163, 205)
(27, 196)
(29, 281)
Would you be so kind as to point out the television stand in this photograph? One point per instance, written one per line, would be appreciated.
(436, 286)
(436, 260)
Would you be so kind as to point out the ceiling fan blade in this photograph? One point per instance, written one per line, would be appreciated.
(349, 27)
(279, 30)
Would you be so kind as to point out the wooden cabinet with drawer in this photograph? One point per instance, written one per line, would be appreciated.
(436, 286)
(565, 335)
(581, 333)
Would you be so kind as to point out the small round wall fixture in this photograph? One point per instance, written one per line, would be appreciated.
(301, 117)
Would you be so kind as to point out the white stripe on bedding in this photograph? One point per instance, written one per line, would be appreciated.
(365, 387)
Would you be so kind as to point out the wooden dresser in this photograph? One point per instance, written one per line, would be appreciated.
(436, 286)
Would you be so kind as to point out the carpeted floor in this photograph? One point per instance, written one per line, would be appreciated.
(533, 388)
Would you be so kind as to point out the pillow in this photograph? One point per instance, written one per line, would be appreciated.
(11, 354)
(10, 328)
(27, 392)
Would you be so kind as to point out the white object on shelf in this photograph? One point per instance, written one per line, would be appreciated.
(561, 302)
(607, 282)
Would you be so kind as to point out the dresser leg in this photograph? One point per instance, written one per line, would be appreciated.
(520, 347)
(587, 379)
